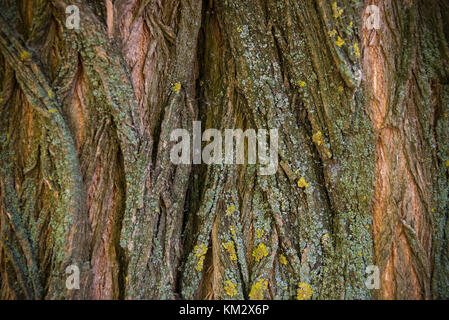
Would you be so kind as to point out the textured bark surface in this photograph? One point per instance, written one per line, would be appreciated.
(85, 171)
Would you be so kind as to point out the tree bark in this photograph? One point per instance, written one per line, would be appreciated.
(85, 171)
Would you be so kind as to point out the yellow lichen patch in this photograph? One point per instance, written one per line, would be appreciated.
(199, 265)
(301, 83)
(340, 89)
(259, 233)
(302, 183)
(282, 259)
(356, 50)
(318, 138)
(339, 41)
(332, 33)
(50, 94)
(258, 289)
(325, 239)
(329, 154)
(239, 30)
(232, 230)
(230, 288)
(445, 115)
(54, 110)
(229, 246)
(350, 24)
(304, 291)
(176, 86)
(230, 210)
(336, 10)
(25, 55)
(200, 251)
(447, 163)
(260, 252)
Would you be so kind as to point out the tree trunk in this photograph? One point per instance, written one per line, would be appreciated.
(86, 177)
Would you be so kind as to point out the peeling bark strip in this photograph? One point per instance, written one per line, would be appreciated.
(86, 178)
(406, 67)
